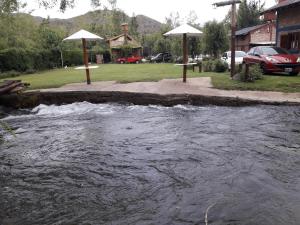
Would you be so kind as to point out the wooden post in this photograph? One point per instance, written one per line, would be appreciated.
(185, 56)
(86, 62)
(61, 58)
(233, 30)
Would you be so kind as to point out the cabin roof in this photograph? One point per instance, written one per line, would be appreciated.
(283, 4)
(118, 41)
(247, 30)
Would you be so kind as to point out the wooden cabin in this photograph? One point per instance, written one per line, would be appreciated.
(124, 41)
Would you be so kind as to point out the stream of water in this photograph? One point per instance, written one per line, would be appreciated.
(90, 164)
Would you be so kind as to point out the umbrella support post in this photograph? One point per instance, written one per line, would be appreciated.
(233, 39)
(86, 62)
(185, 56)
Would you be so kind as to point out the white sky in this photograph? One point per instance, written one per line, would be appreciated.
(156, 9)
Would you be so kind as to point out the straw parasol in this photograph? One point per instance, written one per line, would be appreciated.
(184, 30)
(84, 36)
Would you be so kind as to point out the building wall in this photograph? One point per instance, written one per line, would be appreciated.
(289, 17)
(242, 43)
(266, 33)
(288, 28)
(117, 53)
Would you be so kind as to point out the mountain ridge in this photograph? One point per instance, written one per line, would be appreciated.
(146, 25)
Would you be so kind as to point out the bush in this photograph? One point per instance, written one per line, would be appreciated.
(214, 65)
(255, 73)
(8, 74)
(73, 58)
(22, 60)
(220, 66)
(208, 65)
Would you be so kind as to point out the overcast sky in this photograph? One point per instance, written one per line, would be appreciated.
(156, 9)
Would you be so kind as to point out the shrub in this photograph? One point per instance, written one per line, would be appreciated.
(220, 66)
(208, 65)
(214, 65)
(73, 58)
(22, 60)
(255, 73)
(8, 74)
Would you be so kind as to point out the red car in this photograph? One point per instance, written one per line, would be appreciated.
(273, 59)
(132, 59)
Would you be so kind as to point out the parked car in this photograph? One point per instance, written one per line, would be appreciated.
(131, 59)
(179, 59)
(274, 59)
(198, 58)
(239, 56)
(162, 57)
(295, 52)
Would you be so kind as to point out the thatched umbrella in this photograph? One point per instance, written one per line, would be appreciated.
(184, 30)
(84, 36)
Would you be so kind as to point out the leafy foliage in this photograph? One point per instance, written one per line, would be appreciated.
(9, 6)
(255, 73)
(64, 4)
(133, 26)
(249, 13)
(23, 60)
(214, 65)
(215, 38)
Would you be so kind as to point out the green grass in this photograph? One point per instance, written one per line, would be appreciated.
(109, 72)
(283, 83)
(154, 72)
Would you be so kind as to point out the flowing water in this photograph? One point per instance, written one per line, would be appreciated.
(139, 165)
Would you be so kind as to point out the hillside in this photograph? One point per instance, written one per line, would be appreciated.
(147, 25)
(101, 18)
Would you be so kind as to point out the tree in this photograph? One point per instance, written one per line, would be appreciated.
(192, 18)
(10, 6)
(49, 38)
(215, 38)
(64, 4)
(133, 26)
(173, 20)
(249, 13)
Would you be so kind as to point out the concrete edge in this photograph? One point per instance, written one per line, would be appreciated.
(35, 98)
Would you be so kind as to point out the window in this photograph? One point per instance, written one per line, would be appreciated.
(257, 51)
(251, 52)
(273, 51)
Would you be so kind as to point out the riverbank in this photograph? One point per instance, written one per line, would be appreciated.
(167, 92)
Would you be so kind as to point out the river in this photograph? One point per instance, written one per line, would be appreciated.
(113, 164)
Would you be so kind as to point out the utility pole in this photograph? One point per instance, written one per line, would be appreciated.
(233, 29)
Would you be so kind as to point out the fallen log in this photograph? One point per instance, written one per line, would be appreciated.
(12, 86)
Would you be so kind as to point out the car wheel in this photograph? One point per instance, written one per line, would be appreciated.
(122, 62)
(137, 62)
(293, 73)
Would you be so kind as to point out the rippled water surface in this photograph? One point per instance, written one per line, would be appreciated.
(124, 165)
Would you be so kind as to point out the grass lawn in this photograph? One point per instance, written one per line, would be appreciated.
(154, 72)
(283, 83)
